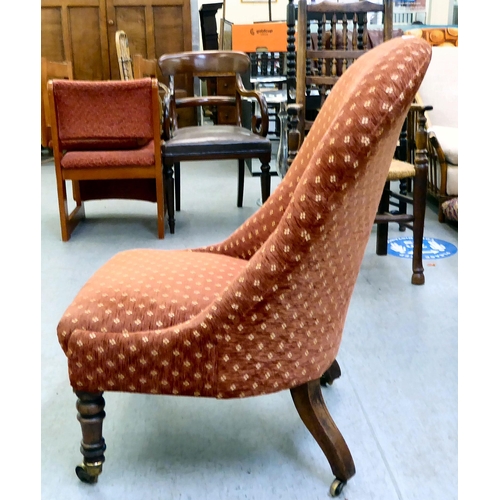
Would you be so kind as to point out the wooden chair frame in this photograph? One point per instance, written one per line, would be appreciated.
(302, 77)
(129, 176)
(211, 65)
(51, 70)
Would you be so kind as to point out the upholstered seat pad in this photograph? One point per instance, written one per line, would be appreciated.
(140, 157)
(146, 290)
(217, 140)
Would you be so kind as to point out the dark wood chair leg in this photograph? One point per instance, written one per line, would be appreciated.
(91, 414)
(383, 227)
(331, 374)
(312, 410)
(265, 179)
(169, 190)
(419, 197)
(177, 180)
(419, 201)
(241, 182)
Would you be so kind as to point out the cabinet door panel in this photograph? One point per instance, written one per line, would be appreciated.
(75, 30)
(153, 27)
(86, 44)
(52, 34)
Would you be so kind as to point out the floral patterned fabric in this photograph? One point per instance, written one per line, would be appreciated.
(263, 310)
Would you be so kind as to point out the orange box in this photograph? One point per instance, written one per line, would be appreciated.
(260, 37)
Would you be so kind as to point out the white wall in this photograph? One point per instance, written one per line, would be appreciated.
(440, 11)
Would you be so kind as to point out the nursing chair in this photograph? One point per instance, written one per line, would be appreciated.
(342, 36)
(212, 142)
(106, 140)
(49, 71)
(263, 310)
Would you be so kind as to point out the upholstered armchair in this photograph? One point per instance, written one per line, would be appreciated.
(264, 310)
(106, 140)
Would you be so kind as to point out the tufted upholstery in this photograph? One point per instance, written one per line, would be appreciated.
(263, 310)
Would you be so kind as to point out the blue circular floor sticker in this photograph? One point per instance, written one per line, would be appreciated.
(432, 248)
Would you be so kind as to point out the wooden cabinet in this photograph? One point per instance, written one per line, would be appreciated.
(83, 32)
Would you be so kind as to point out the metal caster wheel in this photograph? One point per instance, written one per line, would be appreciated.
(337, 487)
(88, 473)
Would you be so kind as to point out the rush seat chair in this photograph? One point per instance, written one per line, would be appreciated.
(107, 141)
(342, 32)
(264, 310)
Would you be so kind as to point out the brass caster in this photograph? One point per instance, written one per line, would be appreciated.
(89, 472)
(337, 487)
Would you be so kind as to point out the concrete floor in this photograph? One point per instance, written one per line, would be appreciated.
(396, 403)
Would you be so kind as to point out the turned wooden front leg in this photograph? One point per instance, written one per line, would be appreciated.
(168, 179)
(265, 179)
(91, 414)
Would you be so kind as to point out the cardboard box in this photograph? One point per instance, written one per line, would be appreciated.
(260, 37)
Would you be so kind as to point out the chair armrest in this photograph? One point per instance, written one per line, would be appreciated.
(434, 142)
(169, 115)
(259, 126)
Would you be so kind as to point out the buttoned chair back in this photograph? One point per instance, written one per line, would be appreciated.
(263, 310)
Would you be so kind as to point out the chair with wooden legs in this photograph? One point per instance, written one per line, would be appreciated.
(342, 35)
(264, 310)
(220, 141)
(107, 143)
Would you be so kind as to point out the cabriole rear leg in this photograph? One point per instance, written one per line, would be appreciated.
(312, 410)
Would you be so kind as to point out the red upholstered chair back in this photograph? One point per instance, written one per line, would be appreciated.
(103, 114)
(305, 245)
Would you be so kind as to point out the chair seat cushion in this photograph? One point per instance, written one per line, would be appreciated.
(116, 324)
(140, 157)
(448, 140)
(216, 141)
(169, 287)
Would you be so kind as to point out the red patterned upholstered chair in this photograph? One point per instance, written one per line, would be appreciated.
(106, 141)
(264, 310)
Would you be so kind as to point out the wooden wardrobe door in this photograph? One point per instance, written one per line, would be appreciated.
(153, 28)
(76, 31)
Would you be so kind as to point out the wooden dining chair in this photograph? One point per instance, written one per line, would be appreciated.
(217, 141)
(343, 34)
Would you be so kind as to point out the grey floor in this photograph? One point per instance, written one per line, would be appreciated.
(396, 402)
